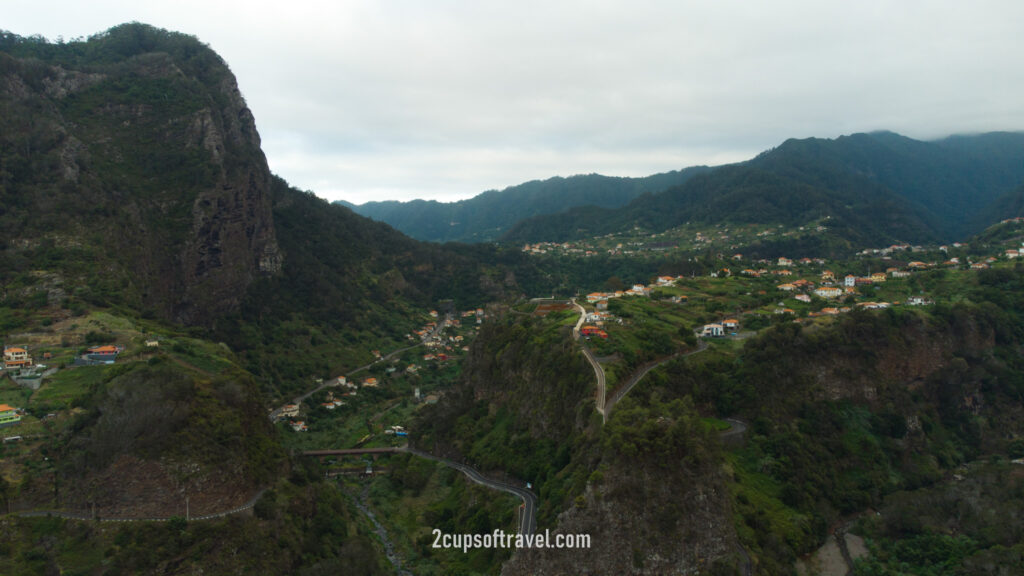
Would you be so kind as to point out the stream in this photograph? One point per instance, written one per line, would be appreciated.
(362, 502)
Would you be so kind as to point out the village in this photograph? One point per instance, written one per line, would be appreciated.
(395, 384)
(373, 404)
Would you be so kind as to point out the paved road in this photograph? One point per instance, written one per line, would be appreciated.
(736, 428)
(639, 374)
(598, 369)
(300, 399)
(528, 519)
(88, 516)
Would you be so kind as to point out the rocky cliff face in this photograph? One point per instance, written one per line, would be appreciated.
(643, 521)
(138, 148)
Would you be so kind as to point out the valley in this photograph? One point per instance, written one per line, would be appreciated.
(711, 371)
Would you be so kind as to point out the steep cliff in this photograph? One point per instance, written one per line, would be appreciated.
(647, 487)
(131, 164)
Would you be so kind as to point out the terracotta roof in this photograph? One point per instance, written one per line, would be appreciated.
(103, 350)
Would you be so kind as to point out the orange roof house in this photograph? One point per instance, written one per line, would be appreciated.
(15, 357)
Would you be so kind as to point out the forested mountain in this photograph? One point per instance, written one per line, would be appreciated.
(137, 206)
(873, 188)
(487, 216)
(131, 172)
(132, 164)
(137, 211)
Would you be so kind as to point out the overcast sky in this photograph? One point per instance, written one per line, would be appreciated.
(393, 99)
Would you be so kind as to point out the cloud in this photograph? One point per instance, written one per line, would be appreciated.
(364, 100)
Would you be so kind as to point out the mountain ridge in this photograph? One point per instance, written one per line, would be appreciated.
(487, 215)
(925, 191)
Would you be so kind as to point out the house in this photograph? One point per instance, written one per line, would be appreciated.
(731, 324)
(639, 290)
(878, 277)
(803, 297)
(786, 287)
(918, 301)
(289, 410)
(299, 426)
(829, 311)
(601, 305)
(828, 292)
(896, 273)
(979, 266)
(152, 343)
(713, 330)
(16, 357)
(827, 277)
(107, 353)
(785, 262)
(370, 382)
(1012, 253)
(8, 415)
(665, 280)
(850, 280)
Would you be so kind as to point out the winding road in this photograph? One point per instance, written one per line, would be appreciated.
(87, 516)
(642, 371)
(528, 520)
(598, 370)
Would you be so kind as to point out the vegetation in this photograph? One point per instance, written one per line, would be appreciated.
(915, 193)
(487, 216)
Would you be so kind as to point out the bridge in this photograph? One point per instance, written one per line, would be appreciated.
(355, 451)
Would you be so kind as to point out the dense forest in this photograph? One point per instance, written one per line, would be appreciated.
(870, 189)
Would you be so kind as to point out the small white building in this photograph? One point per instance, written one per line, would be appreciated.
(713, 330)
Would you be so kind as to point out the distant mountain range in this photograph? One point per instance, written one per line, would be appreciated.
(487, 216)
(875, 187)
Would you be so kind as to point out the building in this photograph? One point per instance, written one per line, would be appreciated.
(713, 331)
(828, 292)
(8, 415)
(106, 353)
(15, 357)
(731, 324)
(850, 280)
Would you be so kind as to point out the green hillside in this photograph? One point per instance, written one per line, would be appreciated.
(486, 217)
(878, 187)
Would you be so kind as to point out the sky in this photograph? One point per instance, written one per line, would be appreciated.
(400, 99)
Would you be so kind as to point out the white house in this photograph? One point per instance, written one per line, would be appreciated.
(713, 330)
